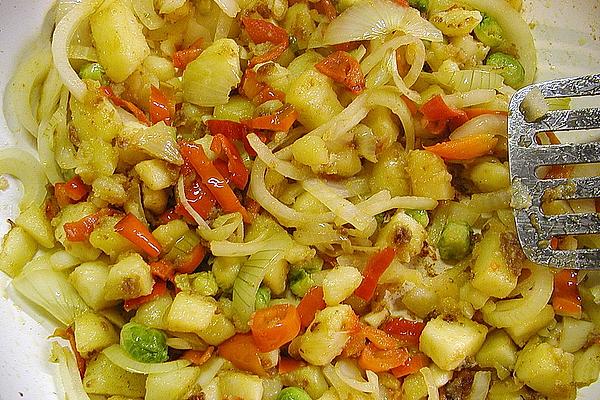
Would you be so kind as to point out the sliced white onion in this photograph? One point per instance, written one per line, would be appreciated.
(417, 64)
(336, 127)
(120, 358)
(68, 372)
(391, 97)
(392, 67)
(351, 375)
(341, 207)
(202, 224)
(534, 105)
(229, 7)
(481, 385)
(61, 39)
(376, 18)
(144, 9)
(224, 24)
(232, 249)
(377, 55)
(285, 168)
(465, 80)
(50, 95)
(25, 167)
(432, 389)
(78, 52)
(45, 148)
(284, 214)
(223, 227)
(209, 370)
(486, 123)
(515, 31)
(470, 98)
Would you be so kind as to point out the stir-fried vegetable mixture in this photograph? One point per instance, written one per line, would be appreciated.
(263, 199)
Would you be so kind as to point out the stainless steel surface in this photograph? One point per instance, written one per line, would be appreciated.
(536, 229)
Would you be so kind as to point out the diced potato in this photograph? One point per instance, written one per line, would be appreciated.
(157, 174)
(89, 279)
(456, 21)
(111, 189)
(345, 163)
(95, 158)
(448, 342)
(225, 270)
(71, 213)
(525, 329)
(303, 62)
(128, 279)
(546, 369)
(234, 384)
(307, 203)
(310, 150)
(314, 97)
(276, 276)
(33, 220)
(167, 234)
(208, 79)
(420, 300)
(499, 352)
(93, 333)
(414, 387)
(236, 109)
(508, 389)
(391, 162)
(587, 366)
(219, 330)
(429, 176)
(299, 23)
(326, 337)
(490, 176)
(105, 238)
(474, 296)
(161, 67)
(119, 40)
(340, 283)
(155, 201)
(105, 378)
(154, 313)
(383, 123)
(190, 313)
(492, 273)
(575, 334)
(172, 385)
(405, 234)
(17, 250)
(97, 117)
(310, 378)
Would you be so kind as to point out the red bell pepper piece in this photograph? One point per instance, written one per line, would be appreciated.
(79, 231)
(198, 357)
(182, 58)
(566, 300)
(405, 330)
(326, 8)
(159, 288)
(119, 102)
(225, 148)
(311, 303)
(189, 264)
(231, 129)
(213, 179)
(137, 233)
(413, 364)
(281, 121)
(70, 192)
(261, 31)
(343, 68)
(376, 266)
(160, 107)
(162, 269)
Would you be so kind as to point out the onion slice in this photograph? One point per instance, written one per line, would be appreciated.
(376, 18)
(202, 224)
(120, 358)
(144, 9)
(285, 168)
(229, 7)
(25, 167)
(68, 372)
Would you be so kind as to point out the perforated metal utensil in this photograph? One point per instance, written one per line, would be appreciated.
(536, 229)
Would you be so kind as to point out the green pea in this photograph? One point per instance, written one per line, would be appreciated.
(455, 242)
(93, 71)
(489, 32)
(420, 216)
(263, 297)
(300, 282)
(420, 5)
(293, 393)
(509, 67)
(144, 344)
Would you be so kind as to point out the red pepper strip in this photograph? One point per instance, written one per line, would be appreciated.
(258, 92)
(137, 233)
(224, 147)
(231, 129)
(168, 216)
(162, 269)
(413, 364)
(326, 8)
(159, 288)
(241, 350)
(261, 31)
(160, 107)
(465, 148)
(213, 179)
(412, 106)
(197, 357)
(281, 121)
(191, 261)
(376, 266)
(476, 112)
(51, 207)
(311, 303)
(343, 68)
(436, 109)
(566, 300)
(139, 114)
(183, 57)
(72, 191)
(403, 3)
(405, 330)
(199, 197)
(79, 231)
(379, 338)
(69, 335)
(348, 46)
(377, 360)
(558, 171)
(287, 364)
(271, 55)
(356, 344)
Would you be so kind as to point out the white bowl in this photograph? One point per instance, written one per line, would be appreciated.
(567, 34)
